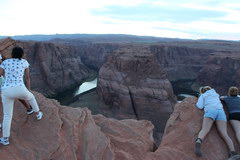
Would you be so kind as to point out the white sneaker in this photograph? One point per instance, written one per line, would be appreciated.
(4, 141)
(39, 115)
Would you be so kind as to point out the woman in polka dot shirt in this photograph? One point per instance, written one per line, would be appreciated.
(14, 70)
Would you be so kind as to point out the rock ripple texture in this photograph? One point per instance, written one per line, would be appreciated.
(67, 133)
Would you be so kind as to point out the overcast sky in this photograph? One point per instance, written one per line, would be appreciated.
(192, 19)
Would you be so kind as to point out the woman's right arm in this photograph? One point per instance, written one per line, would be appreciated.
(27, 79)
(200, 102)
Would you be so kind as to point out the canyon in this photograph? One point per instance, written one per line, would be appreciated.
(73, 61)
(136, 80)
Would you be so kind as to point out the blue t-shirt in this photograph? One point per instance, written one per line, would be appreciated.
(233, 103)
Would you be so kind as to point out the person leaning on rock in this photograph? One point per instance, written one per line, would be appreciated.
(14, 70)
(233, 106)
(213, 112)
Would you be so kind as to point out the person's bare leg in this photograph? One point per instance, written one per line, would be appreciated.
(206, 127)
(236, 127)
(222, 128)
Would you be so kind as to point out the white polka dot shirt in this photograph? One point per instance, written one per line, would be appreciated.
(13, 72)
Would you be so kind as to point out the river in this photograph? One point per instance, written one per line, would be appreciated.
(86, 86)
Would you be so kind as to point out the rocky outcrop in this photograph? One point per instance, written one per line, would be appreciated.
(221, 72)
(67, 133)
(57, 67)
(6, 46)
(135, 86)
(181, 131)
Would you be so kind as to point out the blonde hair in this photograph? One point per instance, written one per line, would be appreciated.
(233, 91)
(204, 89)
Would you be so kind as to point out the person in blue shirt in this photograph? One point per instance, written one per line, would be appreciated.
(209, 101)
(233, 107)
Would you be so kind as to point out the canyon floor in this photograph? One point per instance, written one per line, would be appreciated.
(91, 101)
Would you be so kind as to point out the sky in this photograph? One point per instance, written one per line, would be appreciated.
(188, 19)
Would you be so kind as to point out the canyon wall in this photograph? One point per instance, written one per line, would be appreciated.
(221, 71)
(181, 62)
(54, 67)
(135, 86)
(95, 55)
(68, 62)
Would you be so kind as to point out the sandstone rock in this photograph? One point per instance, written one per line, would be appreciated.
(181, 131)
(135, 86)
(67, 133)
(6, 46)
(74, 134)
(123, 135)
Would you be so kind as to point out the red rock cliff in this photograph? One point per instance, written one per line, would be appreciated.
(181, 131)
(67, 133)
(135, 86)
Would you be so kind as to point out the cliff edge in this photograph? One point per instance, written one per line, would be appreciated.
(67, 133)
(181, 131)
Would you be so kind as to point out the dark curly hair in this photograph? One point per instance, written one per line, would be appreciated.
(17, 52)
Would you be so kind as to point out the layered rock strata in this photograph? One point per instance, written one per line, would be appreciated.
(6, 46)
(181, 62)
(221, 71)
(95, 55)
(135, 86)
